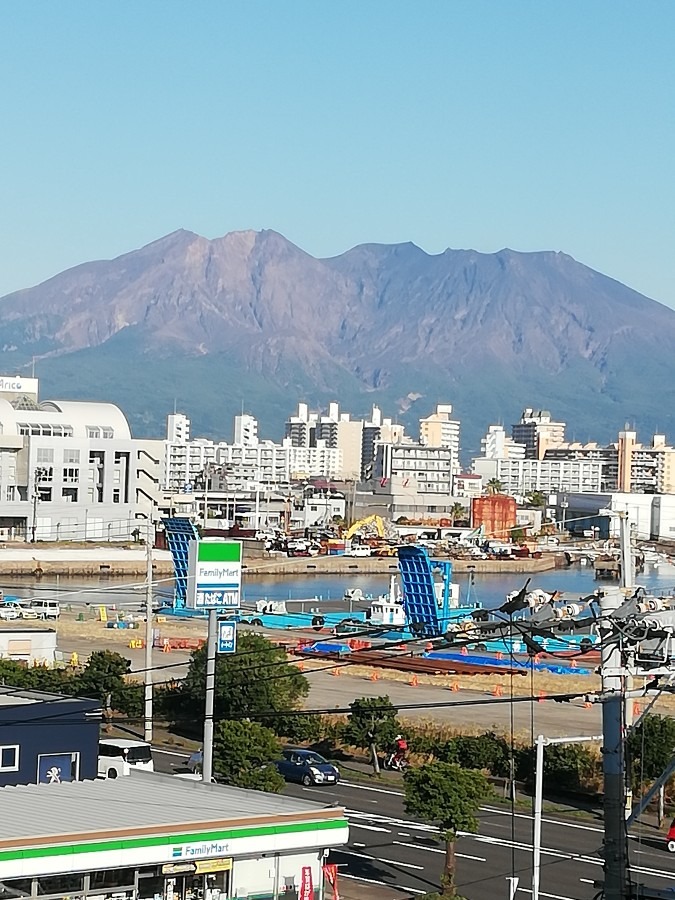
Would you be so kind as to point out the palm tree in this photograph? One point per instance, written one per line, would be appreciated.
(494, 486)
(536, 498)
(457, 511)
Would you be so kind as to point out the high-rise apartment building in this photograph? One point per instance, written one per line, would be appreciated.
(245, 430)
(537, 431)
(178, 428)
(498, 445)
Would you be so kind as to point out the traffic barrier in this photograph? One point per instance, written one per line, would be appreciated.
(500, 655)
(588, 704)
(301, 666)
(454, 687)
(541, 697)
(637, 709)
(497, 691)
(414, 681)
(336, 671)
(166, 646)
(374, 675)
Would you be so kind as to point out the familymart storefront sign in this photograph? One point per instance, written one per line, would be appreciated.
(137, 851)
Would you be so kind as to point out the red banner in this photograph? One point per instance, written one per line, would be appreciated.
(330, 872)
(306, 886)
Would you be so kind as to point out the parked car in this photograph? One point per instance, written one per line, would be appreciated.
(306, 767)
(117, 756)
(47, 609)
(22, 609)
(7, 614)
(358, 550)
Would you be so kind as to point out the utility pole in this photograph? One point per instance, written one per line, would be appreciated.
(207, 749)
(613, 698)
(147, 704)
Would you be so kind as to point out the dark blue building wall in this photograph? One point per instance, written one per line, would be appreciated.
(48, 734)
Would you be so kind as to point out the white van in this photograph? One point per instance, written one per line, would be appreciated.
(47, 609)
(117, 756)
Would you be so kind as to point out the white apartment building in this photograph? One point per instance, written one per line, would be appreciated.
(498, 445)
(178, 428)
(440, 430)
(315, 462)
(521, 476)
(245, 430)
(71, 470)
(429, 468)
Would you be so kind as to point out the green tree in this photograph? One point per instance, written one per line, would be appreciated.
(372, 723)
(650, 747)
(257, 678)
(458, 513)
(536, 498)
(450, 797)
(494, 486)
(244, 754)
(105, 675)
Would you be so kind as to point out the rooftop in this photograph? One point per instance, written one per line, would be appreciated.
(13, 696)
(142, 801)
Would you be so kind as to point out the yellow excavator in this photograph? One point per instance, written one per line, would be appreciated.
(377, 521)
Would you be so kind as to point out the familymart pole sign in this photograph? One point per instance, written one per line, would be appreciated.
(214, 574)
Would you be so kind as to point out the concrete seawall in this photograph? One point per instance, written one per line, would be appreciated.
(349, 565)
(117, 562)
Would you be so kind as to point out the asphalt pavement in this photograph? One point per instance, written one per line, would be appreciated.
(389, 849)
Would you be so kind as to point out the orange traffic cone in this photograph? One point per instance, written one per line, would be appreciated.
(541, 697)
(454, 687)
(335, 671)
(497, 691)
(374, 675)
(414, 681)
(301, 666)
(588, 704)
(637, 711)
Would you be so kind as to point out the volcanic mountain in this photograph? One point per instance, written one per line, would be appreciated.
(249, 318)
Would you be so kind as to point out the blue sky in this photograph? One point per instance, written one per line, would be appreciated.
(532, 125)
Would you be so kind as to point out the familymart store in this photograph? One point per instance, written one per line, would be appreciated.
(156, 837)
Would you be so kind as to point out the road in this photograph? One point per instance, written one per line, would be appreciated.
(393, 850)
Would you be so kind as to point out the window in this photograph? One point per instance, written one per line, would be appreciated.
(60, 884)
(71, 476)
(69, 494)
(93, 431)
(107, 433)
(70, 456)
(116, 497)
(9, 758)
(45, 455)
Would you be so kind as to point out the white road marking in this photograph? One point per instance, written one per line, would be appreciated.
(587, 880)
(542, 894)
(370, 827)
(403, 834)
(363, 787)
(381, 883)
(356, 844)
(420, 847)
(379, 859)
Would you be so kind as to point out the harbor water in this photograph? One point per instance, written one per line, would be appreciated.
(487, 589)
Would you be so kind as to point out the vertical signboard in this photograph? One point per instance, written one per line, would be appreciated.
(306, 885)
(214, 574)
(227, 637)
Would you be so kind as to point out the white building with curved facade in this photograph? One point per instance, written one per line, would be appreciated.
(70, 470)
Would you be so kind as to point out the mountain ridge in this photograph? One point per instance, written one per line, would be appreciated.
(251, 316)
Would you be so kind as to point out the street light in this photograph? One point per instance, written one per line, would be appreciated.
(39, 475)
